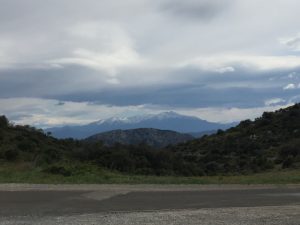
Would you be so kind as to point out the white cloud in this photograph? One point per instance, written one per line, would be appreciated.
(103, 46)
(250, 62)
(274, 101)
(289, 87)
(113, 80)
(227, 69)
(228, 115)
(109, 62)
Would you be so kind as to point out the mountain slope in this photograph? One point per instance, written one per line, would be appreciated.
(163, 121)
(203, 133)
(29, 144)
(270, 141)
(152, 137)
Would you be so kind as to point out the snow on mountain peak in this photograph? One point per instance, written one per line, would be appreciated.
(139, 118)
(167, 115)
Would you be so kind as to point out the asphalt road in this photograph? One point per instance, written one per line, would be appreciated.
(32, 205)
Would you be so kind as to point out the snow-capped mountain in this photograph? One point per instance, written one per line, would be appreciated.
(139, 118)
(164, 121)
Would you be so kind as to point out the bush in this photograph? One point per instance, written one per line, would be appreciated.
(288, 162)
(58, 170)
(11, 155)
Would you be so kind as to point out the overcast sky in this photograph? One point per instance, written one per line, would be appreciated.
(77, 61)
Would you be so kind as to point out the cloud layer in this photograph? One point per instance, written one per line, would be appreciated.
(215, 55)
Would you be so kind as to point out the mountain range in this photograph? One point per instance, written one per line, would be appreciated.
(163, 121)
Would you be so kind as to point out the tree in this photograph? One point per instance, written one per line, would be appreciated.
(3, 121)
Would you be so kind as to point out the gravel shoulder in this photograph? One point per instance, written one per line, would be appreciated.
(284, 215)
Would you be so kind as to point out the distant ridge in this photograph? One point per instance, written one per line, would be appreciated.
(203, 133)
(149, 136)
(163, 121)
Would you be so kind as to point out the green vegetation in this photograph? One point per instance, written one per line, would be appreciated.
(270, 142)
(262, 151)
(89, 174)
(149, 136)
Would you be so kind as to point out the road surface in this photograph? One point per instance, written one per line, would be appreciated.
(149, 204)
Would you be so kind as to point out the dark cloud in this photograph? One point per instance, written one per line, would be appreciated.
(193, 87)
(60, 103)
(292, 43)
(191, 96)
(195, 9)
(49, 81)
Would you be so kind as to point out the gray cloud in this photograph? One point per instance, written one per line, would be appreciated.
(181, 54)
(182, 87)
(292, 43)
(195, 9)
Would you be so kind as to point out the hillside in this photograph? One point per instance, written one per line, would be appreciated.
(270, 141)
(203, 133)
(163, 121)
(149, 136)
(25, 143)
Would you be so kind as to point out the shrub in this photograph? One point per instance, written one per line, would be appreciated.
(58, 170)
(11, 155)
